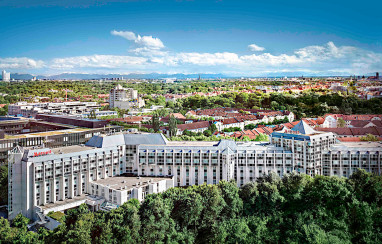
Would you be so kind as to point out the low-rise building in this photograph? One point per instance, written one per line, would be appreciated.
(67, 108)
(72, 120)
(120, 189)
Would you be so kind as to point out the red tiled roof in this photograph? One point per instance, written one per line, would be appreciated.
(354, 131)
(229, 121)
(234, 112)
(193, 126)
(320, 120)
(353, 139)
(377, 123)
(364, 131)
(268, 130)
(354, 116)
(359, 123)
(176, 115)
(338, 131)
(192, 112)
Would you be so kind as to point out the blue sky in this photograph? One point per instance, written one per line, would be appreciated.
(232, 37)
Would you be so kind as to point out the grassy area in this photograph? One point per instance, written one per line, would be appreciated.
(59, 216)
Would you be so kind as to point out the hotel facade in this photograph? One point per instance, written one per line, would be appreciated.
(42, 179)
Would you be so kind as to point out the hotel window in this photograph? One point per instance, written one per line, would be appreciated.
(196, 176)
(178, 174)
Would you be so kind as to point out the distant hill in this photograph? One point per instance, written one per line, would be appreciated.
(18, 76)
(80, 76)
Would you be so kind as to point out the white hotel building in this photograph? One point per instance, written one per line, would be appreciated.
(43, 180)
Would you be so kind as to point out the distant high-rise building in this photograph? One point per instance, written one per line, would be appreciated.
(6, 76)
(124, 98)
(377, 76)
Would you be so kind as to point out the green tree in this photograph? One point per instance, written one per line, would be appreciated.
(172, 124)
(250, 127)
(207, 133)
(155, 123)
(3, 185)
(261, 137)
(341, 123)
(92, 115)
(5, 231)
(212, 128)
(369, 137)
(155, 217)
(161, 112)
(275, 105)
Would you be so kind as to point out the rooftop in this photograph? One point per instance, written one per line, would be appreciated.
(192, 143)
(127, 183)
(303, 128)
(102, 141)
(51, 133)
(71, 149)
(370, 147)
(47, 133)
(69, 117)
(77, 199)
(363, 144)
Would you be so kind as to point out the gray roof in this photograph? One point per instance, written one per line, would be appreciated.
(304, 128)
(227, 143)
(150, 139)
(106, 141)
(101, 141)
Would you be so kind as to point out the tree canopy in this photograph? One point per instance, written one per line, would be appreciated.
(294, 209)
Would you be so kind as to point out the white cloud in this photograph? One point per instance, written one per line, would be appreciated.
(20, 63)
(125, 34)
(205, 59)
(327, 51)
(141, 41)
(148, 55)
(146, 51)
(97, 61)
(255, 48)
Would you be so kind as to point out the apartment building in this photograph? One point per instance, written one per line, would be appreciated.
(41, 179)
(124, 98)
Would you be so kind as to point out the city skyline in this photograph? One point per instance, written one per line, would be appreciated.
(217, 37)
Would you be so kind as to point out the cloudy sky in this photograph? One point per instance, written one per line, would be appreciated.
(238, 38)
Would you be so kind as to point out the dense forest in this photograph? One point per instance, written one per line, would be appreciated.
(293, 209)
